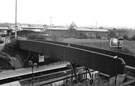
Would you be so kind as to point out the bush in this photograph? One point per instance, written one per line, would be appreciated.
(133, 37)
(112, 34)
(125, 50)
(11, 48)
(126, 37)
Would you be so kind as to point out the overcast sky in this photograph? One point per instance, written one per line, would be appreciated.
(83, 12)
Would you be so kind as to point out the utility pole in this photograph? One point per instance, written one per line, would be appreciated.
(50, 24)
(96, 30)
(16, 19)
(96, 25)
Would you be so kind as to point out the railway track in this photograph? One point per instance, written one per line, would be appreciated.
(39, 76)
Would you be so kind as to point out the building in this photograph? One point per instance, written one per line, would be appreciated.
(65, 32)
(78, 32)
(3, 30)
(94, 33)
(33, 28)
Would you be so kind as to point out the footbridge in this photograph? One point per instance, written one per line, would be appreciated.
(94, 58)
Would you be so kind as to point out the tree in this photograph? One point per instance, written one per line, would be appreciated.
(72, 26)
(112, 34)
(72, 29)
(101, 27)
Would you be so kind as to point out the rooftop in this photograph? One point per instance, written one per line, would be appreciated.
(79, 29)
(4, 28)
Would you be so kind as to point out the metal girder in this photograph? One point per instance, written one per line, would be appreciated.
(91, 59)
(129, 59)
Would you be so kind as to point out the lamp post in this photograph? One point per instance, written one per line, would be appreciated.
(32, 65)
(16, 19)
(117, 57)
(120, 44)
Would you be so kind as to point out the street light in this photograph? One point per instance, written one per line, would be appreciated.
(32, 65)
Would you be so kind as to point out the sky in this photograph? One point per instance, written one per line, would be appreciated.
(110, 13)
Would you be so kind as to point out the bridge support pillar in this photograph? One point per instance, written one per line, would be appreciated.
(73, 66)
